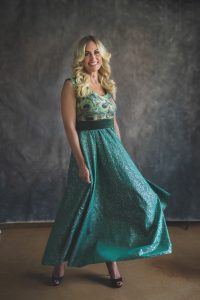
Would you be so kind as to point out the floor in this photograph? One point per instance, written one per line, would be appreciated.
(174, 276)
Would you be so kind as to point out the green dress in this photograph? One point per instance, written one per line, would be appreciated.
(119, 215)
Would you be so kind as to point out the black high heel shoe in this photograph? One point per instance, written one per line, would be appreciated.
(56, 280)
(116, 282)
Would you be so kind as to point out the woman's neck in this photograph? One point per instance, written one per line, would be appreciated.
(94, 78)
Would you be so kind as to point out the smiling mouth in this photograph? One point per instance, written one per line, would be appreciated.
(93, 64)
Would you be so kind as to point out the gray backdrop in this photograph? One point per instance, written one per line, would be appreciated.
(155, 63)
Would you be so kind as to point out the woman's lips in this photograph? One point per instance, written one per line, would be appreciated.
(93, 64)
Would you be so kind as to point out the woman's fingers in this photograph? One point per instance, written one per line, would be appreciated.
(88, 178)
(85, 174)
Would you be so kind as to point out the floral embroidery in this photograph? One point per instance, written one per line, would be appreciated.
(94, 107)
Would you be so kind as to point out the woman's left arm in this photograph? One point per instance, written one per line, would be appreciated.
(117, 127)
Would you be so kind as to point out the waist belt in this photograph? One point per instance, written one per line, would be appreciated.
(97, 124)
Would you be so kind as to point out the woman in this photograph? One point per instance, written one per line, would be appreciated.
(109, 211)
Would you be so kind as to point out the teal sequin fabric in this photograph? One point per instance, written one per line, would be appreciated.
(118, 216)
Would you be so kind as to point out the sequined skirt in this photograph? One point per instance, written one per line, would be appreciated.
(118, 216)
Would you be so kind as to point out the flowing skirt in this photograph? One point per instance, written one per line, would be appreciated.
(118, 216)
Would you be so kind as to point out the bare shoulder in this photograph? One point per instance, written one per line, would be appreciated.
(67, 89)
(68, 104)
(68, 85)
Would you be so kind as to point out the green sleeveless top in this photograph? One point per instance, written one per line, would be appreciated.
(94, 106)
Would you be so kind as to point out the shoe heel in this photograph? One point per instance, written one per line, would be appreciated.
(57, 280)
(116, 282)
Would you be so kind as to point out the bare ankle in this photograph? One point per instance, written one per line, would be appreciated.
(113, 269)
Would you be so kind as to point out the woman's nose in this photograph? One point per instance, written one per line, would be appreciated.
(92, 56)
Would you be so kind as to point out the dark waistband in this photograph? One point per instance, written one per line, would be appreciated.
(96, 124)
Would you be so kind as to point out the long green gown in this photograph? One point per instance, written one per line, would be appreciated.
(119, 215)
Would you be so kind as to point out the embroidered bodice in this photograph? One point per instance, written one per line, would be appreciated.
(94, 106)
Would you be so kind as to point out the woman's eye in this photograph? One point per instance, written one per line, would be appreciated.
(96, 53)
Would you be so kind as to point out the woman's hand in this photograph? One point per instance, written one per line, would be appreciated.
(84, 174)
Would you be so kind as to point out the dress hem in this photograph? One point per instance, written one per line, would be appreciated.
(169, 251)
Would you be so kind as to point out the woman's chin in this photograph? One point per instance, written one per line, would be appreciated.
(93, 68)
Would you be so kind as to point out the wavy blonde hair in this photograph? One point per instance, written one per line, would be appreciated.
(104, 73)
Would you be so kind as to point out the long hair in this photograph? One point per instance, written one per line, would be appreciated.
(104, 73)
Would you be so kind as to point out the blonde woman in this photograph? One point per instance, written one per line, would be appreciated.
(109, 211)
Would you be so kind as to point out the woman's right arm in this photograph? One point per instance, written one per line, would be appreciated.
(68, 111)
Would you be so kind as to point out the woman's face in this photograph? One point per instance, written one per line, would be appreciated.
(93, 59)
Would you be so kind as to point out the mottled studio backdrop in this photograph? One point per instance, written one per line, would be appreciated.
(155, 63)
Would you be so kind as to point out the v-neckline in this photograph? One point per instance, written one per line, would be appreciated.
(98, 94)
(93, 91)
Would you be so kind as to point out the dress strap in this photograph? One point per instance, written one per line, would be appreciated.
(73, 81)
